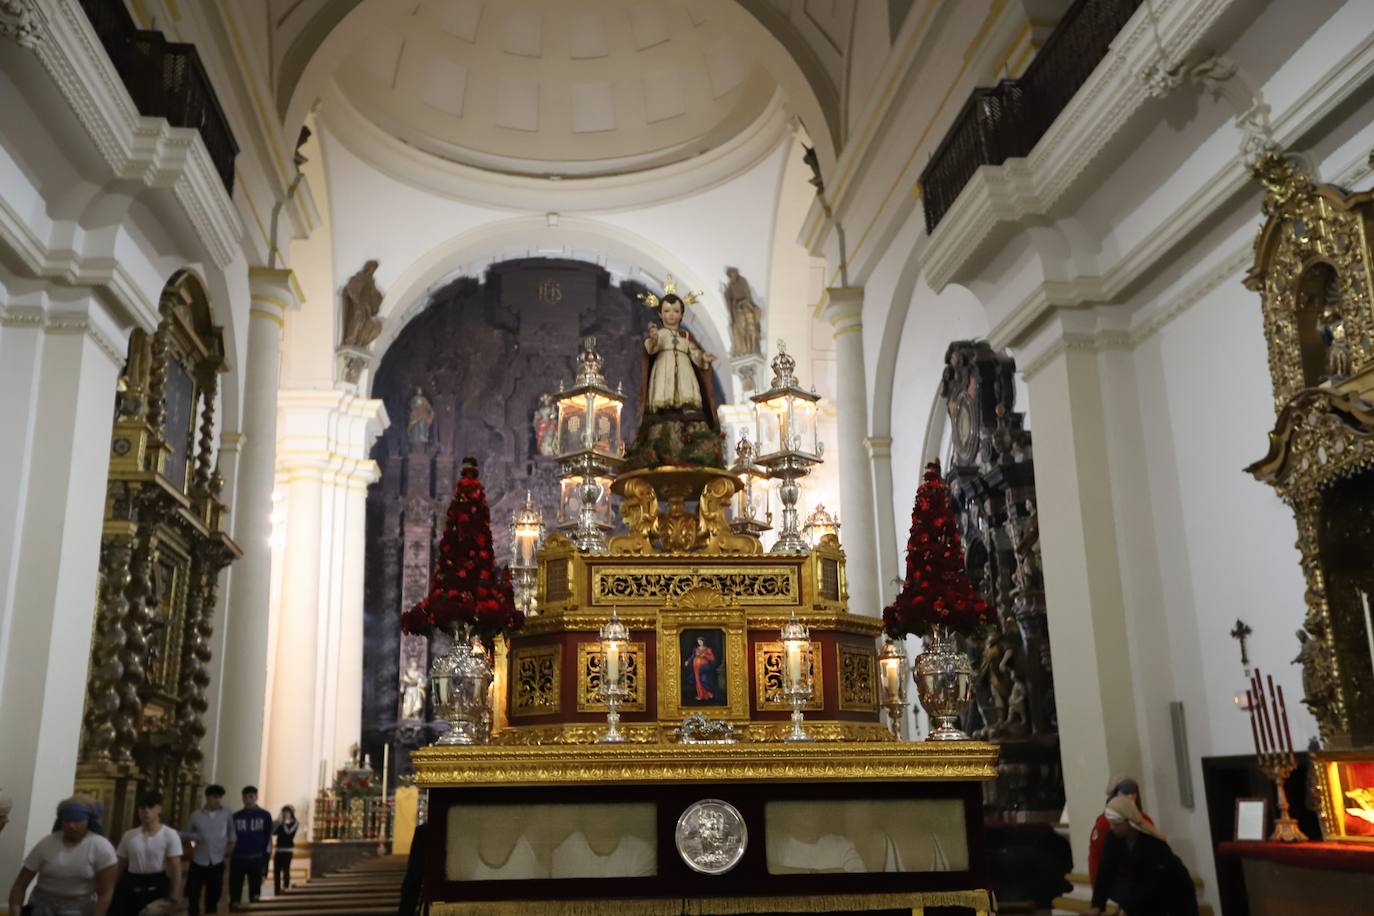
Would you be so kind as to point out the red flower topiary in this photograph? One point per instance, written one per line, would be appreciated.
(936, 591)
(467, 589)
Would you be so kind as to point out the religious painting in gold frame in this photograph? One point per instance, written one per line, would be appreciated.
(536, 672)
(589, 677)
(702, 666)
(768, 678)
(858, 684)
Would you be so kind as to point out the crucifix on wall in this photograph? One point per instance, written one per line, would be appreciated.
(1239, 633)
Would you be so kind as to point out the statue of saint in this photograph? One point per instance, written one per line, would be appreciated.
(678, 427)
(546, 426)
(361, 303)
(745, 315)
(421, 418)
(413, 684)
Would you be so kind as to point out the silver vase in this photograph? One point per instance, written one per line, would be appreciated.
(944, 683)
(461, 681)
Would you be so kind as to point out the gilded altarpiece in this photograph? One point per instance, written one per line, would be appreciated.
(163, 547)
(1313, 271)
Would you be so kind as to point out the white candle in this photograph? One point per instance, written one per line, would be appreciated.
(794, 663)
(892, 683)
(610, 668)
(1368, 626)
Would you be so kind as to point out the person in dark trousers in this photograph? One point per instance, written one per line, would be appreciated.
(413, 885)
(149, 860)
(1138, 869)
(285, 834)
(252, 842)
(212, 831)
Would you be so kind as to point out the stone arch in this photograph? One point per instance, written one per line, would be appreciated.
(624, 254)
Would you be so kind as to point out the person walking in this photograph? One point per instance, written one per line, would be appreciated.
(252, 842)
(284, 832)
(212, 831)
(149, 859)
(1138, 869)
(75, 865)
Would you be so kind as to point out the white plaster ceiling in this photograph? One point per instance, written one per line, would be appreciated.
(574, 88)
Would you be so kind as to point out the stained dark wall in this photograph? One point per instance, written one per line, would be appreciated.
(483, 352)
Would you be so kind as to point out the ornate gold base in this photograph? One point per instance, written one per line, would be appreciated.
(662, 733)
(979, 901)
(1286, 831)
(748, 761)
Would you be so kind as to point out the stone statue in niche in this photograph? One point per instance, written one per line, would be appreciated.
(362, 302)
(746, 317)
(413, 686)
(420, 421)
(546, 426)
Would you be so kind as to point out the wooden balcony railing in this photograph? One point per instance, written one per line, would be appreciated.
(1007, 120)
(166, 80)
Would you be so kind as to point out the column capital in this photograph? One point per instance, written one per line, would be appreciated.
(844, 307)
(1066, 329)
(274, 291)
(879, 447)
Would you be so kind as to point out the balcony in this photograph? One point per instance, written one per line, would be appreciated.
(1007, 120)
(166, 80)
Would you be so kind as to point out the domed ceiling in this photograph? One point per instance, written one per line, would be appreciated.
(574, 88)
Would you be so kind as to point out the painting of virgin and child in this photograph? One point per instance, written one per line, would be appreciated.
(703, 679)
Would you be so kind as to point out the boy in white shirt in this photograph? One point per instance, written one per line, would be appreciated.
(75, 866)
(149, 858)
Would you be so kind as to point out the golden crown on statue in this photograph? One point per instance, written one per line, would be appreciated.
(669, 289)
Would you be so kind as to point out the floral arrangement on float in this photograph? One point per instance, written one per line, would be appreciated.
(471, 599)
(936, 603)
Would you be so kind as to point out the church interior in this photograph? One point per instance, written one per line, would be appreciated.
(687, 456)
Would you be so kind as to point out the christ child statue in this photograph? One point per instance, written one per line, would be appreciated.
(673, 382)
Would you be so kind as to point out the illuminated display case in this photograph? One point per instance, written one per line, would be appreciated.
(1345, 781)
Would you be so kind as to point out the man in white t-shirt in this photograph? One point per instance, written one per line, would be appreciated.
(149, 858)
(75, 866)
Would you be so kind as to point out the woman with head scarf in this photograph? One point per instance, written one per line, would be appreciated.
(75, 865)
(1138, 869)
(1120, 785)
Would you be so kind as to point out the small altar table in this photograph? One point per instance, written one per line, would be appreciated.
(820, 827)
(1315, 879)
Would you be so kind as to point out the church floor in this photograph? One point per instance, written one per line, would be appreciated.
(370, 888)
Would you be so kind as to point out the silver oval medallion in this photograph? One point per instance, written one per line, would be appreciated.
(711, 836)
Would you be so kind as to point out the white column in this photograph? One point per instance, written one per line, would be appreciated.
(1098, 736)
(230, 459)
(880, 460)
(241, 694)
(845, 313)
(292, 765)
(325, 436)
(349, 690)
(60, 356)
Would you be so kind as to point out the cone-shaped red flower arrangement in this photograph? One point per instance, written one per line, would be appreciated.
(467, 588)
(936, 591)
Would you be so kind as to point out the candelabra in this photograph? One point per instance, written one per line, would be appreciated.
(787, 443)
(526, 535)
(589, 445)
(797, 684)
(615, 638)
(1274, 750)
(750, 513)
(892, 667)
